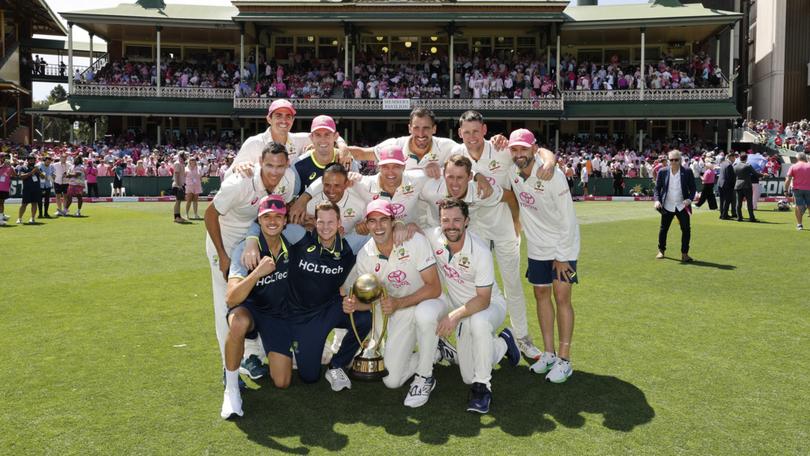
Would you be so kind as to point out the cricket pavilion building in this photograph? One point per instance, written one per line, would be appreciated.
(407, 32)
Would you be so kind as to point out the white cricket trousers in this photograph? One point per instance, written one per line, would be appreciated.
(219, 287)
(478, 346)
(508, 254)
(407, 328)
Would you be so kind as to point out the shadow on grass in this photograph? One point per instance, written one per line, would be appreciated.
(523, 404)
(705, 264)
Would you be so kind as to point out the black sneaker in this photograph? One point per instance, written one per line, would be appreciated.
(512, 351)
(480, 399)
(253, 367)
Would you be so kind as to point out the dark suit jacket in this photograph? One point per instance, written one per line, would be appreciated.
(744, 173)
(725, 178)
(688, 187)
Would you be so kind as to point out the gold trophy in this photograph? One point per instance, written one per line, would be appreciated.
(368, 365)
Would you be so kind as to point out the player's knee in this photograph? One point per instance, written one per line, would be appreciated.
(282, 381)
(480, 326)
(239, 326)
(426, 320)
(309, 375)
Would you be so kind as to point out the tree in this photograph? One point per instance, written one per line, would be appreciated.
(58, 94)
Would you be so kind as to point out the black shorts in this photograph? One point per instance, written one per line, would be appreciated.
(60, 189)
(45, 192)
(275, 333)
(179, 192)
(31, 197)
(117, 183)
(3, 196)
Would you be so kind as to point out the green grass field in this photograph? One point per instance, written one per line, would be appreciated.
(109, 348)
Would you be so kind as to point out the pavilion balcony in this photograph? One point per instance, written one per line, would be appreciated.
(206, 93)
(696, 94)
(435, 104)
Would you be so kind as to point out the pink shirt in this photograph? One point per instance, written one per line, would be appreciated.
(800, 172)
(708, 176)
(103, 170)
(5, 178)
(91, 173)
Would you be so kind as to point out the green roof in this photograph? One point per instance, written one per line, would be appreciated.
(57, 45)
(651, 14)
(651, 110)
(83, 105)
(133, 13)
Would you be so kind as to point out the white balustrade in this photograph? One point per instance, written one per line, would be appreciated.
(438, 104)
(96, 90)
(698, 94)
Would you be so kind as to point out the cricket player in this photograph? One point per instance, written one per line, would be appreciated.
(280, 118)
(477, 308)
(408, 272)
(253, 298)
(552, 233)
(498, 225)
(229, 216)
(312, 164)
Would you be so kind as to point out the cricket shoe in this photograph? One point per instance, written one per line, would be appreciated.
(419, 392)
(512, 350)
(253, 367)
(560, 372)
(480, 399)
(338, 379)
(231, 404)
(528, 349)
(544, 364)
(446, 352)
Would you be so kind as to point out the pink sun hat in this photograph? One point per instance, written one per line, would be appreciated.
(280, 104)
(323, 122)
(522, 137)
(392, 154)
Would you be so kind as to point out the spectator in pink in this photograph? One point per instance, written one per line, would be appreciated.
(92, 179)
(193, 187)
(6, 174)
(798, 177)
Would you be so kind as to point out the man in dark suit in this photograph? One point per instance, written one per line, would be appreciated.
(725, 186)
(674, 191)
(743, 187)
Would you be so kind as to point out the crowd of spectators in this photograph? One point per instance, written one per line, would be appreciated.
(477, 76)
(781, 135)
(698, 72)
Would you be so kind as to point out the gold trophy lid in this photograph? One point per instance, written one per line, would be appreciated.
(367, 288)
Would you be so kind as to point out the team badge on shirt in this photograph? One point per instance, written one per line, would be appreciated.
(494, 165)
(407, 189)
(464, 262)
(349, 213)
(538, 185)
(402, 254)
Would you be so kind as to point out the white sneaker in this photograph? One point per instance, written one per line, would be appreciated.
(78, 214)
(5, 217)
(19, 221)
(560, 372)
(446, 353)
(799, 227)
(527, 348)
(231, 404)
(338, 379)
(2, 221)
(31, 221)
(419, 392)
(544, 364)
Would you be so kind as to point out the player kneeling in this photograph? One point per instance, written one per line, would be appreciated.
(254, 300)
(412, 285)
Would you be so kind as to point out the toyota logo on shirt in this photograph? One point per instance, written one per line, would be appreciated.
(452, 274)
(398, 210)
(398, 279)
(526, 198)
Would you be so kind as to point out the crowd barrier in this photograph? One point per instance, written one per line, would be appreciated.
(598, 187)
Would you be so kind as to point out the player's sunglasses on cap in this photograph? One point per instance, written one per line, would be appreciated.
(280, 104)
(272, 203)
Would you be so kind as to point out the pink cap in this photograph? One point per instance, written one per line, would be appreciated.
(392, 154)
(522, 137)
(380, 205)
(272, 203)
(323, 122)
(280, 104)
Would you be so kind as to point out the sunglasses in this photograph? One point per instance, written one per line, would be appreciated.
(275, 204)
(674, 159)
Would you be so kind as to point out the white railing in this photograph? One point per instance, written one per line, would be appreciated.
(337, 104)
(96, 90)
(719, 93)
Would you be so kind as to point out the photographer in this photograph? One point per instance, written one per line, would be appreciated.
(30, 175)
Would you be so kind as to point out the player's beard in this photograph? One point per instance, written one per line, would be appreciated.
(452, 235)
(522, 162)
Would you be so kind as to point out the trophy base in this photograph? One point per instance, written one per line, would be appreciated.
(368, 369)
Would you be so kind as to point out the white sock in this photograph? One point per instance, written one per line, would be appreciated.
(231, 379)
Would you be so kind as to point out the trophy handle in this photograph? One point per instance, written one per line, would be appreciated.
(351, 318)
(385, 317)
